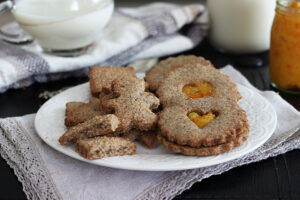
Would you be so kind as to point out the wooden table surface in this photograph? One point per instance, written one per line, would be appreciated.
(274, 178)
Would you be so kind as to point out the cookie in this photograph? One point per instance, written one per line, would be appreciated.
(94, 103)
(100, 147)
(200, 113)
(182, 84)
(148, 139)
(156, 74)
(79, 115)
(131, 135)
(71, 106)
(203, 151)
(102, 77)
(78, 112)
(230, 121)
(132, 105)
(97, 126)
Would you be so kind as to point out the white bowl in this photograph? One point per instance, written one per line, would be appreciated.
(63, 24)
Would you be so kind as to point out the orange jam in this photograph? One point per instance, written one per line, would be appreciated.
(285, 46)
(197, 90)
(201, 120)
(295, 4)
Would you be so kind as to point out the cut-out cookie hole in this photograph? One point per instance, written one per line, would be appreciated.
(197, 90)
(201, 120)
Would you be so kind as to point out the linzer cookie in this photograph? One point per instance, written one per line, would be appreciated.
(97, 126)
(200, 113)
(193, 82)
(203, 151)
(100, 147)
(102, 77)
(177, 125)
(156, 74)
(132, 105)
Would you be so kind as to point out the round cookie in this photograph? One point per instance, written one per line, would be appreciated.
(156, 74)
(202, 151)
(170, 89)
(230, 122)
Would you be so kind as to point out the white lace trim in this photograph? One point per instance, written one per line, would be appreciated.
(183, 180)
(17, 148)
(22, 156)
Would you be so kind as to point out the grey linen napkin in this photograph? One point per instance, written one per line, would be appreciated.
(153, 30)
(46, 173)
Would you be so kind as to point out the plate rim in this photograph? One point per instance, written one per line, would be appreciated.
(145, 168)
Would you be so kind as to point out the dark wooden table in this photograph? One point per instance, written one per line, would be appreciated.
(274, 178)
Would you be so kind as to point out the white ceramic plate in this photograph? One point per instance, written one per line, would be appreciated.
(49, 124)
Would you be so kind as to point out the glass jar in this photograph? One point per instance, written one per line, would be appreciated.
(285, 47)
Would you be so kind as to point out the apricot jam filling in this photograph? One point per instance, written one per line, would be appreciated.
(201, 120)
(197, 90)
(295, 4)
(285, 43)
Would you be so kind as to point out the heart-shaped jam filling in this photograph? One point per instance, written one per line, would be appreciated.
(201, 120)
(197, 90)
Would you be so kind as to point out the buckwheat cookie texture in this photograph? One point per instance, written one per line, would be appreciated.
(230, 122)
(97, 126)
(114, 146)
(156, 74)
(79, 112)
(132, 105)
(202, 151)
(200, 113)
(102, 77)
(171, 87)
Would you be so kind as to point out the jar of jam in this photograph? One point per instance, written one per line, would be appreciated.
(285, 47)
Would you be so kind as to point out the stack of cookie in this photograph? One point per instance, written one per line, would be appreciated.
(119, 112)
(200, 113)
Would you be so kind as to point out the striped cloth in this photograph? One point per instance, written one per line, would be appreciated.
(154, 30)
